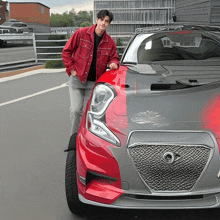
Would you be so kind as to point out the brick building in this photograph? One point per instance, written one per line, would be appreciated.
(3, 11)
(35, 14)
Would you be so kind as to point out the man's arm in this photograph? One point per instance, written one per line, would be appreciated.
(68, 53)
(114, 59)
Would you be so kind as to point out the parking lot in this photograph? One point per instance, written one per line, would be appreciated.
(11, 54)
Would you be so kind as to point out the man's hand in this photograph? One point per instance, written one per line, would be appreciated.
(113, 66)
(73, 73)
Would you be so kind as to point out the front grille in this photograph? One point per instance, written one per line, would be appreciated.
(181, 175)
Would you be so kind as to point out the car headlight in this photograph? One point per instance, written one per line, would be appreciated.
(102, 96)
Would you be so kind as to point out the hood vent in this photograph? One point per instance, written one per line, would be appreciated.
(174, 86)
(159, 87)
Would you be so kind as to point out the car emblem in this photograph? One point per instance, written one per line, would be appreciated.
(170, 157)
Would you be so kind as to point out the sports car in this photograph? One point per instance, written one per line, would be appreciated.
(149, 137)
(15, 26)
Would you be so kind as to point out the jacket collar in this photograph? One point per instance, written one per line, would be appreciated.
(91, 31)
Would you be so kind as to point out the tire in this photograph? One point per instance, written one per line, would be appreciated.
(3, 43)
(72, 142)
(74, 204)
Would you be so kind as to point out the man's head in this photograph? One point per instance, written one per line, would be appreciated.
(104, 18)
(104, 13)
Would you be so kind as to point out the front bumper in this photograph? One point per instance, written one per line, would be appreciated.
(98, 172)
(126, 202)
(129, 189)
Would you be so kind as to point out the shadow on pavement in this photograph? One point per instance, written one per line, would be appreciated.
(122, 214)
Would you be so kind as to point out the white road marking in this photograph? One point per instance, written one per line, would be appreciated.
(34, 94)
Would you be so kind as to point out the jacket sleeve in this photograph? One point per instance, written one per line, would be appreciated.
(114, 58)
(69, 50)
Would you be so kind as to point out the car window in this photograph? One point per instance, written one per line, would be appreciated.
(131, 55)
(183, 45)
(17, 25)
(6, 24)
(5, 31)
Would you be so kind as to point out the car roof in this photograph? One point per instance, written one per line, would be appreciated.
(14, 21)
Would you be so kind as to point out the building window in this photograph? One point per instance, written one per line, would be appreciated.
(132, 14)
(42, 9)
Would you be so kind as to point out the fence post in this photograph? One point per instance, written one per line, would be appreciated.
(35, 48)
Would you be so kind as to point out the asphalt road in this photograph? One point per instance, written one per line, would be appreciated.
(11, 54)
(34, 131)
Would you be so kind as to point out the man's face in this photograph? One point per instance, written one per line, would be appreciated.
(103, 23)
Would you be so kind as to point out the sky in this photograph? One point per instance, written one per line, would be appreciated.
(61, 6)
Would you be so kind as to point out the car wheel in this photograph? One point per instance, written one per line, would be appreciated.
(74, 204)
(3, 43)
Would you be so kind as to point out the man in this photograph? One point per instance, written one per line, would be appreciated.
(86, 56)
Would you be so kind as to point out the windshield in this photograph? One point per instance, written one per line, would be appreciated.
(6, 24)
(183, 45)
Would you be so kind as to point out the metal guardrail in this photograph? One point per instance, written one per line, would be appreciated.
(15, 65)
(24, 36)
(67, 30)
(47, 50)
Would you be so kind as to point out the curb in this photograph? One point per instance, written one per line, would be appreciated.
(16, 72)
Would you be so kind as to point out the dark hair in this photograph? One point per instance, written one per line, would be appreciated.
(104, 13)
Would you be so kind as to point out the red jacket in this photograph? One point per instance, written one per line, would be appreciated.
(78, 53)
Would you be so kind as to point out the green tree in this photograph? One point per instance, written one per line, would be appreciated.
(72, 19)
(119, 43)
(85, 24)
